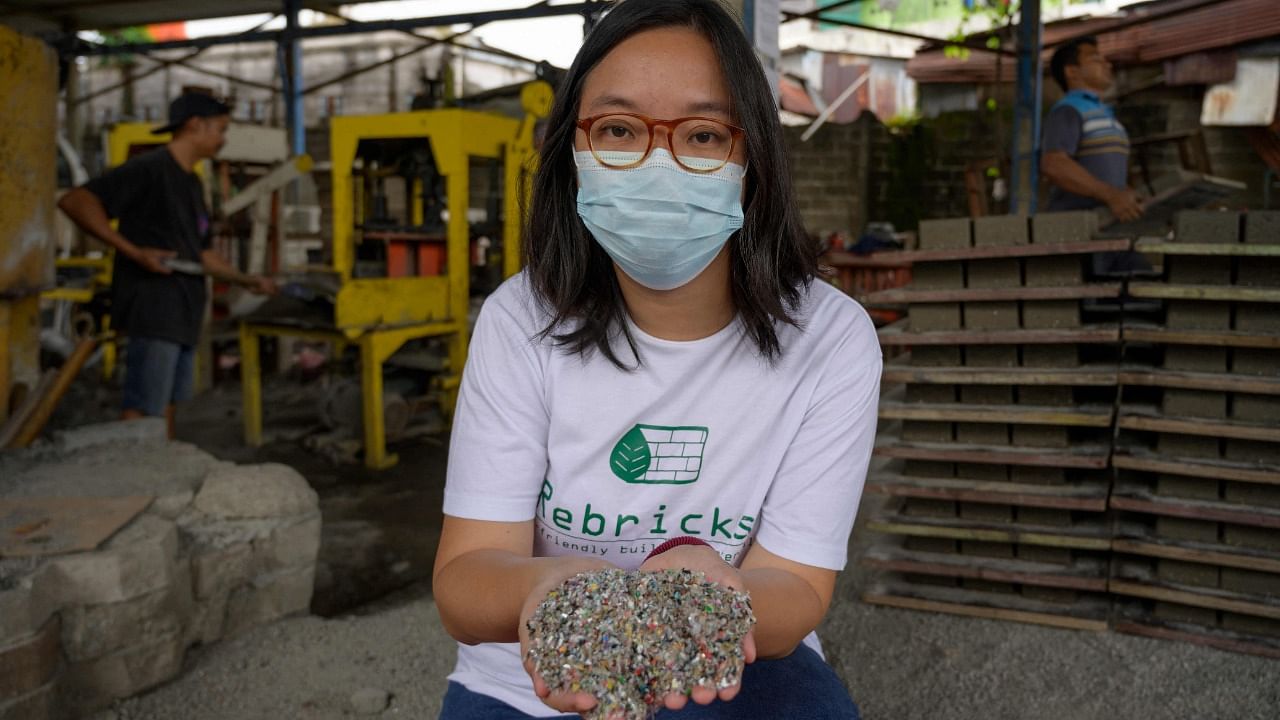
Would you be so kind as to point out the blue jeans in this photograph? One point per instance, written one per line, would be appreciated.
(157, 373)
(799, 686)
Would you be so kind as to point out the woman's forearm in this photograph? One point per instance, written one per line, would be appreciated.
(786, 607)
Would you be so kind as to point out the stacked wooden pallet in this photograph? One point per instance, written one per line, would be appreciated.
(1198, 456)
(998, 435)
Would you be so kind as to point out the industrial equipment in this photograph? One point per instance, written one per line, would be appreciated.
(426, 210)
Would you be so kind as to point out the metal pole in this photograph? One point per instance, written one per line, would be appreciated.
(1025, 180)
(291, 52)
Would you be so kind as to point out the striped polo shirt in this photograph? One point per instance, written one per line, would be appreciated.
(1085, 128)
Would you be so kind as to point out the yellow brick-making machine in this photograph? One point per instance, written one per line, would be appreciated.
(420, 199)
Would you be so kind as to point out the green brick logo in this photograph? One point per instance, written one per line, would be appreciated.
(660, 455)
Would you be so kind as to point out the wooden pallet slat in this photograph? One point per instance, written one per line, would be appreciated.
(1090, 497)
(1146, 460)
(1188, 380)
(1208, 637)
(1161, 247)
(1189, 552)
(897, 334)
(982, 252)
(1091, 376)
(1213, 599)
(1152, 421)
(1236, 293)
(1070, 416)
(1082, 457)
(1216, 338)
(1065, 292)
(1127, 496)
(1087, 574)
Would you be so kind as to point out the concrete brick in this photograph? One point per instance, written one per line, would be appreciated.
(1195, 403)
(1258, 272)
(1195, 358)
(996, 273)
(1192, 446)
(1262, 226)
(1255, 361)
(982, 433)
(256, 491)
(917, 393)
(991, 316)
(948, 233)
(1050, 314)
(991, 356)
(934, 316)
(39, 704)
(937, 276)
(986, 513)
(936, 356)
(986, 394)
(1256, 408)
(1046, 436)
(138, 560)
(924, 507)
(1044, 516)
(1178, 486)
(1172, 612)
(930, 544)
(217, 569)
(1061, 596)
(1063, 227)
(92, 631)
(95, 684)
(1251, 494)
(1258, 317)
(1037, 475)
(290, 547)
(1197, 315)
(1045, 554)
(1052, 395)
(28, 665)
(1199, 270)
(1251, 582)
(208, 619)
(1205, 226)
(1251, 625)
(986, 549)
(927, 431)
(1176, 528)
(25, 606)
(269, 598)
(1187, 573)
(928, 468)
(1257, 538)
(1055, 271)
(1253, 451)
(1001, 230)
(1050, 356)
(988, 586)
(982, 471)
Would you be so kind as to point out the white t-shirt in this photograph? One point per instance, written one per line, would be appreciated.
(704, 439)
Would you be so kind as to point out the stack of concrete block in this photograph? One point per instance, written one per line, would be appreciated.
(1199, 454)
(999, 464)
(221, 548)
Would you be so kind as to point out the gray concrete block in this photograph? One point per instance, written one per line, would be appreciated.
(28, 665)
(986, 549)
(1187, 573)
(1193, 270)
(1063, 227)
(1172, 612)
(1051, 395)
(1258, 272)
(987, 586)
(995, 273)
(917, 393)
(1050, 314)
(1061, 596)
(991, 356)
(1258, 317)
(172, 505)
(1195, 358)
(139, 559)
(1255, 361)
(1175, 528)
(948, 233)
(984, 472)
(40, 704)
(92, 631)
(1251, 494)
(936, 356)
(982, 434)
(95, 684)
(1248, 536)
(934, 316)
(1197, 315)
(1045, 436)
(256, 491)
(1190, 446)
(208, 619)
(927, 431)
(1190, 488)
(1256, 408)
(986, 513)
(1251, 582)
(991, 316)
(1038, 475)
(1195, 403)
(1055, 271)
(217, 569)
(924, 507)
(928, 468)
(1044, 516)
(1251, 625)
(269, 598)
(1050, 356)
(986, 394)
(1001, 230)
(289, 547)
(1262, 226)
(1207, 226)
(930, 544)
(1045, 554)
(937, 275)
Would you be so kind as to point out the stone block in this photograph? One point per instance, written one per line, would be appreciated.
(994, 273)
(1175, 528)
(1248, 536)
(928, 468)
(1186, 269)
(1063, 227)
(917, 393)
(982, 434)
(1195, 358)
(256, 491)
(1251, 582)
(289, 547)
(986, 394)
(269, 598)
(991, 316)
(217, 569)
(1061, 596)
(1256, 408)
(924, 507)
(39, 704)
(95, 684)
(1258, 317)
(1251, 625)
(1054, 271)
(92, 631)
(171, 506)
(1037, 475)
(927, 431)
(948, 233)
(1207, 226)
(986, 549)
(1050, 314)
(1001, 230)
(1255, 361)
(1192, 446)
(986, 513)
(1194, 403)
(937, 276)
(936, 356)
(934, 316)
(1258, 272)
(114, 433)
(25, 605)
(991, 356)
(208, 619)
(1251, 494)
(28, 665)
(1197, 315)
(930, 544)
(1045, 436)
(137, 560)
(1187, 573)
(988, 586)
(1187, 614)
(1189, 488)
(1044, 516)
(1051, 356)
(1045, 554)
(1262, 226)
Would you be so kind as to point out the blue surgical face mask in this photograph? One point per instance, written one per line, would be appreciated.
(661, 224)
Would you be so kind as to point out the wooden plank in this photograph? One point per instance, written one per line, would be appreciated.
(1219, 601)
(1084, 574)
(1077, 416)
(899, 372)
(876, 260)
(895, 334)
(1223, 382)
(989, 613)
(1009, 251)
(922, 527)
(1134, 419)
(1216, 338)
(1137, 501)
(1066, 292)
(1081, 457)
(1170, 551)
(1066, 497)
(1160, 247)
(32, 526)
(1169, 291)
(1141, 459)
(1221, 640)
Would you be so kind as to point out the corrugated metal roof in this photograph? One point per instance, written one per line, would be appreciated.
(109, 14)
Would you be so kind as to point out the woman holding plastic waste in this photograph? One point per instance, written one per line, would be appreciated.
(665, 385)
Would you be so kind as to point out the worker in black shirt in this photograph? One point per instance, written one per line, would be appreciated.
(159, 202)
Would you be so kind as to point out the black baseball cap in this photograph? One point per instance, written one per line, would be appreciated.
(189, 105)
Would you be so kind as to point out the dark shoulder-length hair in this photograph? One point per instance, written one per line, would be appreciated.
(772, 259)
